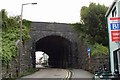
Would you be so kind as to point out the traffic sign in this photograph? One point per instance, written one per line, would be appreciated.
(89, 53)
(88, 50)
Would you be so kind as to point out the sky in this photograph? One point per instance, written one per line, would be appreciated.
(60, 11)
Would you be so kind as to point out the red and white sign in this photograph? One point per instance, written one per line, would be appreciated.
(115, 18)
(115, 36)
(115, 29)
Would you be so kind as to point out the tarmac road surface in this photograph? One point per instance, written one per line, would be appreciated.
(48, 73)
(79, 74)
(59, 74)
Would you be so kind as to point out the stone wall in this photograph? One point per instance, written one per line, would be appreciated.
(11, 71)
(95, 63)
(99, 62)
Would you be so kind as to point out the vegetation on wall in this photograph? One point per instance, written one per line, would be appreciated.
(99, 50)
(10, 35)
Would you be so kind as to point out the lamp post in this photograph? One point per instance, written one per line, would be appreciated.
(21, 46)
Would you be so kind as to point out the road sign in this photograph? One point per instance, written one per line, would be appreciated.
(89, 52)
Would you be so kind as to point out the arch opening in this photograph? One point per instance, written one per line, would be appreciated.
(58, 49)
(41, 59)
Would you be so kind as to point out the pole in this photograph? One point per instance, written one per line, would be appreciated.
(89, 61)
(21, 45)
(20, 50)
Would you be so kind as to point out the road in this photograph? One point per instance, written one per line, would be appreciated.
(79, 74)
(48, 73)
(59, 74)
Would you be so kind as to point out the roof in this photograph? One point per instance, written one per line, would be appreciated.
(117, 50)
(110, 8)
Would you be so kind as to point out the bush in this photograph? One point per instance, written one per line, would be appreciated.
(99, 49)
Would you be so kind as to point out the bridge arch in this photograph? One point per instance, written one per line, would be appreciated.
(58, 48)
(59, 41)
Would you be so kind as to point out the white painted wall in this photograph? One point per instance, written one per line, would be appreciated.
(113, 45)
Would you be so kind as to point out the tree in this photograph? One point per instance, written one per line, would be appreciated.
(94, 22)
(4, 19)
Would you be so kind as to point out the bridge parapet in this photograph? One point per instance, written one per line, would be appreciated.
(55, 27)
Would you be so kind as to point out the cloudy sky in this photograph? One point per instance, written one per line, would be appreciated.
(63, 11)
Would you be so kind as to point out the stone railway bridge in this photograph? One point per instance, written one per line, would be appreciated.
(59, 41)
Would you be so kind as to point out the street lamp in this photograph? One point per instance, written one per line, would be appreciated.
(21, 32)
(21, 19)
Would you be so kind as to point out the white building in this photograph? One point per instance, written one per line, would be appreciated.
(38, 56)
(113, 18)
(45, 58)
(41, 57)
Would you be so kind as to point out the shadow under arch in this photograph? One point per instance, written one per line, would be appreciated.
(58, 48)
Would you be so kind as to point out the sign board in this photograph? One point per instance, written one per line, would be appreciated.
(115, 29)
(115, 36)
(89, 52)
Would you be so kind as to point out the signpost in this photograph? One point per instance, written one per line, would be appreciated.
(89, 52)
(89, 56)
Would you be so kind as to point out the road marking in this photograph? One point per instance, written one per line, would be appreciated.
(67, 77)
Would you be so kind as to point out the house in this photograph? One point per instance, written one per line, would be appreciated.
(113, 19)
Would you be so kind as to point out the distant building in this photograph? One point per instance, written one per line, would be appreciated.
(38, 56)
(45, 58)
(41, 58)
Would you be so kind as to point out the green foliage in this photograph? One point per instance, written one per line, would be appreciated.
(99, 49)
(96, 48)
(26, 23)
(86, 38)
(94, 22)
(4, 19)
(92, 29)
(10, 35)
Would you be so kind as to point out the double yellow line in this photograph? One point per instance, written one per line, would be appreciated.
(67, 77)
